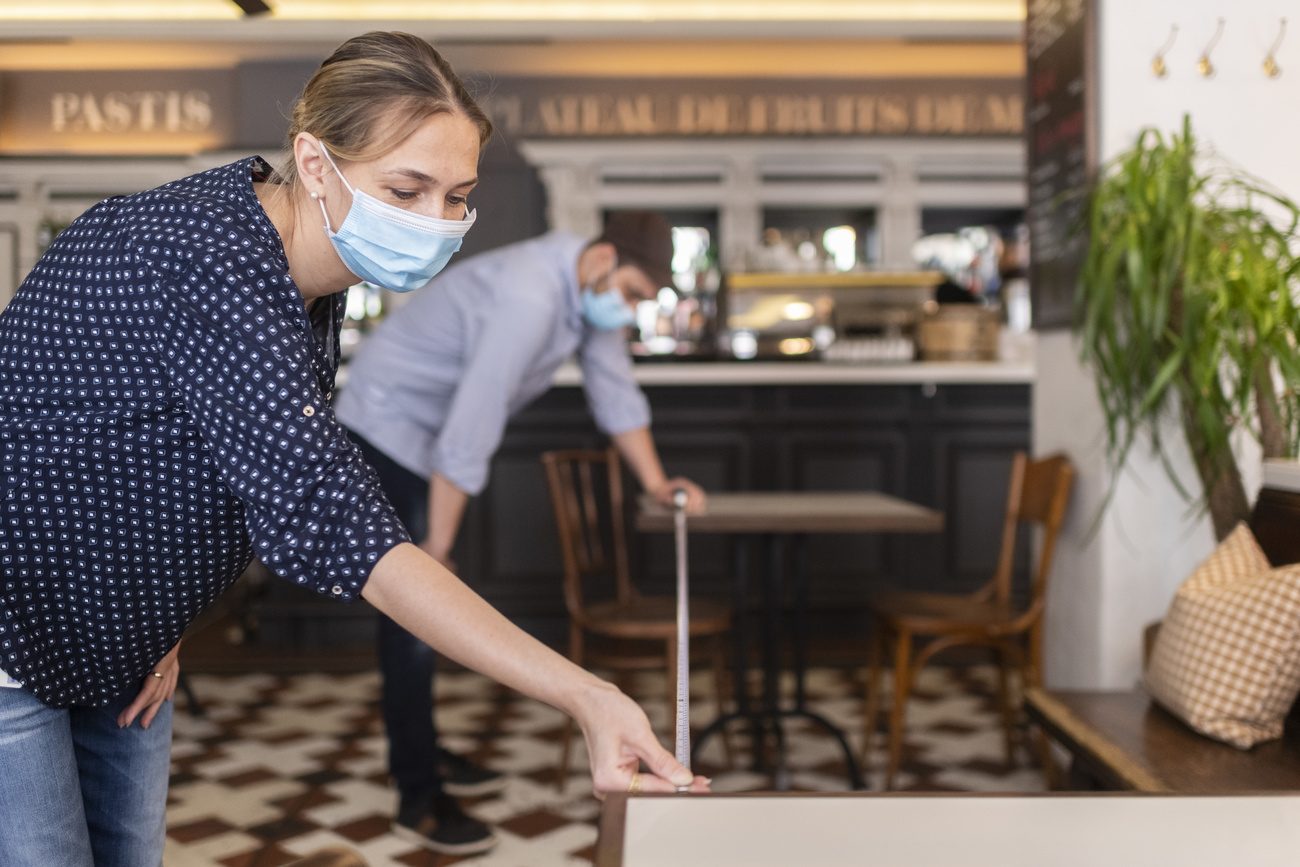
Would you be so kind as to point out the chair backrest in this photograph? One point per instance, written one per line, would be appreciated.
(590, 518)
(1037, 495)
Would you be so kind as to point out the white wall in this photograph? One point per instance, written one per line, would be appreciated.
(1251, 119)
(1114, 576)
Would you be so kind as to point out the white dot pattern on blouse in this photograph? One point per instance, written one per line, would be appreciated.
(163, 416)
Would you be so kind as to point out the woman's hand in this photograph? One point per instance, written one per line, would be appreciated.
(619, 740)
(695, 496)
(155, 690)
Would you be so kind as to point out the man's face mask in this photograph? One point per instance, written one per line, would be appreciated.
(609, 309)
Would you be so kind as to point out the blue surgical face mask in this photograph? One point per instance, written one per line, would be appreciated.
(607, 310)
(390, 247)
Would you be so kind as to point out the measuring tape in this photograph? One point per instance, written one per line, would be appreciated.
(683, 633)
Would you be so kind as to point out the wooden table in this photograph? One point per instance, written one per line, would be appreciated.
(947, 830)
(798, 512)
(774, 515)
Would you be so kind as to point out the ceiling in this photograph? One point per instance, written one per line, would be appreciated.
(785, 38)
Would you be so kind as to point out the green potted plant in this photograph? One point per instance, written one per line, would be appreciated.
(1186, 305)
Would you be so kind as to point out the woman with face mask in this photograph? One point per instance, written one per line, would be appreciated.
(165, 377)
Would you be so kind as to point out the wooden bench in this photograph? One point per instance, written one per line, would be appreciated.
(1124, 741)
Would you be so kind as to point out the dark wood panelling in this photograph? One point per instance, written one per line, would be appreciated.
(842, 458)
(948, 447)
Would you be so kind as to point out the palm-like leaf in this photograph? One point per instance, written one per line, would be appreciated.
(1187, 300)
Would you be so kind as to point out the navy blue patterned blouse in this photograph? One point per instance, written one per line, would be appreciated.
(164, 416)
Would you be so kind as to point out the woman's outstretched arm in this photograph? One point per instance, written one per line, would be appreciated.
(434, 605)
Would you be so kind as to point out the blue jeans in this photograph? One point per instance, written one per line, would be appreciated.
(77, 791)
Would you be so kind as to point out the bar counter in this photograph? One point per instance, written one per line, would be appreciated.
(938, 434)
(675, 372)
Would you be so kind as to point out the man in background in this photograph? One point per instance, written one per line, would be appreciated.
(428, 398)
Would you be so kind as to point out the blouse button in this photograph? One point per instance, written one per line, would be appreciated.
(309, 411)
(336, 590)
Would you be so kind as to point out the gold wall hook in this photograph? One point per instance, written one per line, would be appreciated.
(1204, 66)
(1158, 65)
(1271, 69)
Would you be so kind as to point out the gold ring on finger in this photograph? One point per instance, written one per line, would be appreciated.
(635, 786)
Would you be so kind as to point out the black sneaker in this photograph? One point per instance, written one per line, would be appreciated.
(442, 826)
(464, 779)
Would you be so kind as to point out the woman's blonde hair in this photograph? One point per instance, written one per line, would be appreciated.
(376, 89)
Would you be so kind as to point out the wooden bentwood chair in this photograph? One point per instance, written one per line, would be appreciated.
(1037, 495)
(627, 630)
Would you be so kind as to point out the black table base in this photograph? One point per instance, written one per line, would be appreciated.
(765, 722)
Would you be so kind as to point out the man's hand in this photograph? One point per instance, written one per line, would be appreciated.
(159, 686)
(638, 450)
(696, 499)
(438, 553)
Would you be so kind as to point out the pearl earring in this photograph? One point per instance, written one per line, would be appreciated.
(315, 195)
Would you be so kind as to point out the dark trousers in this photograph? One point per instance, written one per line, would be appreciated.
(406, 663)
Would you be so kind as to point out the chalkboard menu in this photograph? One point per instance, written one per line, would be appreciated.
(1060, 123)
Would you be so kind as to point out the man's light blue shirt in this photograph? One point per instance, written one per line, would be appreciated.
(435, 384)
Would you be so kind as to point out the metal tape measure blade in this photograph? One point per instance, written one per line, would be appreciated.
(683, 633)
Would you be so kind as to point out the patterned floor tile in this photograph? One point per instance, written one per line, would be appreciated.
(278, 766)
